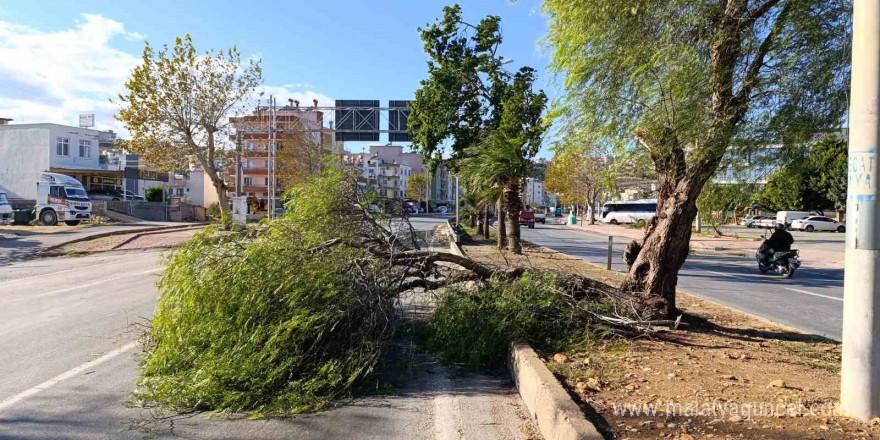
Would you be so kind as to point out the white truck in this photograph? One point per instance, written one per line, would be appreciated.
(61, 198)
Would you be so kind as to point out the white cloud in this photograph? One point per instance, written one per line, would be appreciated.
(55, 76)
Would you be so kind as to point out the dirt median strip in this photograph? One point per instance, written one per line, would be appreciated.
(50, 250)
(716, 378)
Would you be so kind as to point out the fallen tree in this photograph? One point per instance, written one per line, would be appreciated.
(286, 317)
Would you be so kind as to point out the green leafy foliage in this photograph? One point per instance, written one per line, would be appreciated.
(475, 328)
(811, 179)
(154, 193)
(260, 322)
(718, 199)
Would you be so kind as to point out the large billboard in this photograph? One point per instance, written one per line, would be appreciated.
(357, 120)
(398, 118)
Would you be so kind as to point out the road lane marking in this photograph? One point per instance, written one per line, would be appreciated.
(64, 376)
(107, 280)
(814, 294)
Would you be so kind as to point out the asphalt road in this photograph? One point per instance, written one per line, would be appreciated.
(21, 243)
(811, 301)
(68, 365)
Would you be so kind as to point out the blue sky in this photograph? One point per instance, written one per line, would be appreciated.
(70, 57)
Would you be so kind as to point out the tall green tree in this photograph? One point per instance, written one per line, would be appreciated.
(489, 118)
(177, 105)
(682, 79)
(829, 163)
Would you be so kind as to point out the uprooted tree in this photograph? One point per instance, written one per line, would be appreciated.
(683, 79)
(490, 118)
(177, 104)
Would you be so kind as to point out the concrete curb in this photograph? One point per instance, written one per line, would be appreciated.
(55, 247)
(454, 248)
(558, 417)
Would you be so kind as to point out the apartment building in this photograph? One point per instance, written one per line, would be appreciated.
(293, 124)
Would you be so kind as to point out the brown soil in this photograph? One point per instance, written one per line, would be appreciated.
(769, 375)
(150, 240)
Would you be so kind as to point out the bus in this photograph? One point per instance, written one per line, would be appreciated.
(617, 212)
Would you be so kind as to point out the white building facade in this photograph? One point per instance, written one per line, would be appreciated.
(27, 150)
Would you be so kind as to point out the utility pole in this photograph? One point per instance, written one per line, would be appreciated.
(271, 164)
(457, 218)
(238, 167)
(860, 370)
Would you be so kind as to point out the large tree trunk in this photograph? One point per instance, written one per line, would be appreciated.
(502, 230)
(514, 206)
(655, 262)
(222, 197)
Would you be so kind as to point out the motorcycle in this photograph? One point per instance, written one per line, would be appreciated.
(784, 263)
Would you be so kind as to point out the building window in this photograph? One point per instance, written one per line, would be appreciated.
(248, 181)
(62, 146)
(179, 192)
(250, 146)
(266, 181)
(85, 149)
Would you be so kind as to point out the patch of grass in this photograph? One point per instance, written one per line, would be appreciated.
(811, 356)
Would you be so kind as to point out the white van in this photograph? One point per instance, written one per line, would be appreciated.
(61, 198)
(786, 217)
(617, 212)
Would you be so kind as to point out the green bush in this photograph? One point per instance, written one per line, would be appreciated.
(154, 193)
(213, 210)
(261, 322)
(474, 328)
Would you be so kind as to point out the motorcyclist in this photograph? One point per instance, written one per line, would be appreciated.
(779, 241)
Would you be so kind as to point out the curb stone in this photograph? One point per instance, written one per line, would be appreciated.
(558, 417)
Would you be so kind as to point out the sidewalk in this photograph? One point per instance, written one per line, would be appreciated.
(830, 258)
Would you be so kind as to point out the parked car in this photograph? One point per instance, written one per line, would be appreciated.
(441, 209)
(134, 197)
(541, 218)
(758, 221)
(818, 223)
(104, 194)
(7, 216)
(527, 218)
(786, 217)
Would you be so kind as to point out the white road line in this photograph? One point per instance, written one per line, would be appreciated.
(64, 376)
(107, 280)
(814, 294)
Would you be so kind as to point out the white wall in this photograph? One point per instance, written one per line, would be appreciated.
(74, 135)
(24, 154)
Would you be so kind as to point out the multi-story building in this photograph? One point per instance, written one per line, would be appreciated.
(291, 122)
(27, 150)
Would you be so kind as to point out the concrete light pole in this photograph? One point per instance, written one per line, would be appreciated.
(457, 218)
(860, 371)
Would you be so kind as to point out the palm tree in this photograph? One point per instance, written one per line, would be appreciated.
(500, 163)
